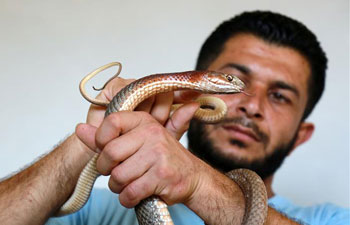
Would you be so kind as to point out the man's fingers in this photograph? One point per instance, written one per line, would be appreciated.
(146, 105)
(185, 96)
(86, 133)
(162, 105)
(137, 190)
(158, 106)
(131, 169)
(180, 120)
(119, 123)
(119, 150)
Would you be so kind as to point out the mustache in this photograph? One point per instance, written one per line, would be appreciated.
(248, 123)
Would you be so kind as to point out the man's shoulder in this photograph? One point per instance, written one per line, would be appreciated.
(326, 213)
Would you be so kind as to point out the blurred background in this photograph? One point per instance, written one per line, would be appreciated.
(46, 48)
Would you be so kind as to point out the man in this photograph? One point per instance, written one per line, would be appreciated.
(283, 67)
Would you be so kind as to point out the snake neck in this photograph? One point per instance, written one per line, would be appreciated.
(133, 94)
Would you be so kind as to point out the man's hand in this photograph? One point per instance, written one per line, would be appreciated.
(144, 157)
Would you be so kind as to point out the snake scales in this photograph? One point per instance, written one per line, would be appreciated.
(152, 211)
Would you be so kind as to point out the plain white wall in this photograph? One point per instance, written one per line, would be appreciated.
(46, 47)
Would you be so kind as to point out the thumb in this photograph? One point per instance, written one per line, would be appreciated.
(179, 122)
(86, 133)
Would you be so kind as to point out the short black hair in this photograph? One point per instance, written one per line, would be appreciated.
(276, 29)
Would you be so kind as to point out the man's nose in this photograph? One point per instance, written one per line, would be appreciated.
(251, 105)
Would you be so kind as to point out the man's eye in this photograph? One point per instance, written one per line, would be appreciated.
(277, 96)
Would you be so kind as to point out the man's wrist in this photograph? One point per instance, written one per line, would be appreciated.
(220, 196)
(85, 151)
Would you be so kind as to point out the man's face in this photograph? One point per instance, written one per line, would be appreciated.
(262, 126)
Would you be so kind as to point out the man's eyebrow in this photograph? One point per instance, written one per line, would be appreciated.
(243, 69)
(278, 84)
(284, 85)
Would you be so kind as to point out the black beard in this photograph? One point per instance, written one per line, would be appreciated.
(200, 145)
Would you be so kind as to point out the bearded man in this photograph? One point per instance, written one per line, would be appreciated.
(283, 66)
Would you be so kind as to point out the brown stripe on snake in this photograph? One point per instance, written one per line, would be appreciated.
(152, 211)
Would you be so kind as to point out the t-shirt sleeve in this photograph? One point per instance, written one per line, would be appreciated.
(334, 215)
(321, 214)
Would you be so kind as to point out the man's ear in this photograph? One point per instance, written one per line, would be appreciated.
(305, 132)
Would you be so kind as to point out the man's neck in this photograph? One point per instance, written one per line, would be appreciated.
(268, 185)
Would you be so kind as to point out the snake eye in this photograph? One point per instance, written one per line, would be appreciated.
(229, 77)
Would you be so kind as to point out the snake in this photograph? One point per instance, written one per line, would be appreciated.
(153, 210)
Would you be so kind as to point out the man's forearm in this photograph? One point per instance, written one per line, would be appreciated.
(34, 194)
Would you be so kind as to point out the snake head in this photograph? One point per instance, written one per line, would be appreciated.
(223, 83)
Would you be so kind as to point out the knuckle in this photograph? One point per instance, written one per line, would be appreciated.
(111, 152)
(113, 119)
(107, 160)
(160, 150)
(102, 170)
(164, 172)
(101, 167)
(124, 202)
(108, 152)
(114, 186)
(145, 116)
(118, 176)
(130, 193)
(155, 129)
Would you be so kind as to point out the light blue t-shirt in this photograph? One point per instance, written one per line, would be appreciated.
(103, 208)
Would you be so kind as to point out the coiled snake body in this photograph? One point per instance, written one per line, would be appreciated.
(153, 210)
